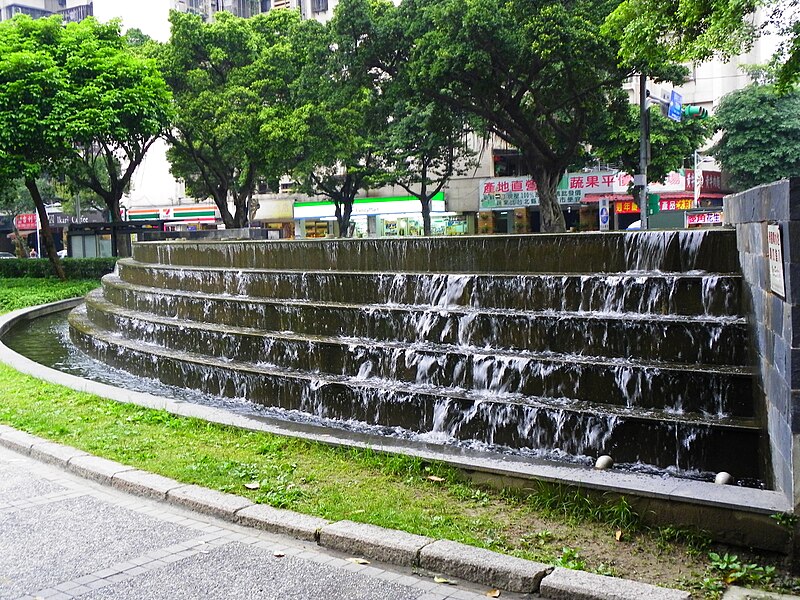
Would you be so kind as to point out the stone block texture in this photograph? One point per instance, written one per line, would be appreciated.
(774, 321)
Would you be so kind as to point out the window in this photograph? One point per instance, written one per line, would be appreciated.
(319, 5)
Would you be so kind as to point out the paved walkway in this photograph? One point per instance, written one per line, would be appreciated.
(63, 536)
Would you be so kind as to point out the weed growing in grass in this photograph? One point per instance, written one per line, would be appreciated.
(571, 559)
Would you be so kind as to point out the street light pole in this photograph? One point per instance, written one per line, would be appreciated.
(644, 141)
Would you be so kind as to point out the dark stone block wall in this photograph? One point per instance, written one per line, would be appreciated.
(775, 321)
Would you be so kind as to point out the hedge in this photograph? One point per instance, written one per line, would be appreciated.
(74, 268)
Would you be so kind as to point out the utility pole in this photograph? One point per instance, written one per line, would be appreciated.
(640, 180)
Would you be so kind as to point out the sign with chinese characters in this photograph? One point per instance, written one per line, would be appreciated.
(679, 204)
(775, 252)
(26, 221)
(710, 181)
(506, 192)
(704, 218)
(627, 207)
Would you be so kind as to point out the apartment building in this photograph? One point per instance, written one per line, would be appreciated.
(70, 10)
(207, 8)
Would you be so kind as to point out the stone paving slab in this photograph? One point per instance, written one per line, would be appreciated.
(96, 468)
(567, 584)
(44, 545)
(15, 486)
(371, 541)
(740, 593)
(143, 483)
(477, 564)
(210, 502)
(286, 522)
(251, 573)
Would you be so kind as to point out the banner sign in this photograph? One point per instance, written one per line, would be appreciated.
(680, 204)
(704, 218)
(775, 260)
(627, 207)
(510, 192)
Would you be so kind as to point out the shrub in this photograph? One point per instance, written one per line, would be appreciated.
(74, 268)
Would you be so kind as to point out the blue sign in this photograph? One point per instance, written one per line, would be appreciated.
(675, 106)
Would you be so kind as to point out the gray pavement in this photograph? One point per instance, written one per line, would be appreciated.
(63, 536)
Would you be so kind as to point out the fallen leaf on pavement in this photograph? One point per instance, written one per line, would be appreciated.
(358, 561)
(439, 579)
(493, 593)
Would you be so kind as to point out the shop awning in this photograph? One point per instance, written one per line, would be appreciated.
(661, 195)
(21, 233)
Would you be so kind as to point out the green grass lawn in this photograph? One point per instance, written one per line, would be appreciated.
(544, 523)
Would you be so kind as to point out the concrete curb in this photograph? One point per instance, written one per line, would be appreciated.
(396, 547)
(480, 565)
(371, 541)
(566, 584)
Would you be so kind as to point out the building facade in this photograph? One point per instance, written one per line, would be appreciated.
(70, 10)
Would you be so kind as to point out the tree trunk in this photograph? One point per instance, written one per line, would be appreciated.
(344, 209)
(425, 200)
(552, 219)
(46, 232)
(122, 241)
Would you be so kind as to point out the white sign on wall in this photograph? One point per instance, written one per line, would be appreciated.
(605, 215)
(775, 260)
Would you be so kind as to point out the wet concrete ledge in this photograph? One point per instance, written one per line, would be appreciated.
(732, 514)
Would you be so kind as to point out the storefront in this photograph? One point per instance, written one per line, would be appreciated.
(27, 225)
(677, 197)
(378, 217)
(511, 204)
(194, 217)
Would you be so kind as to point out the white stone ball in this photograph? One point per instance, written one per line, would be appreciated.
(723, 478)
(604, 462)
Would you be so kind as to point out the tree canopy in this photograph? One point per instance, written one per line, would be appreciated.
(537, 72)
(761, 135)
(229, 77)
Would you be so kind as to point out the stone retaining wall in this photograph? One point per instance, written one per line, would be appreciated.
(775, 321)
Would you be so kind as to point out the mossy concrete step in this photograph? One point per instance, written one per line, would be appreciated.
(665, 338)
(535, 423)
(678, 388)
(677, 294)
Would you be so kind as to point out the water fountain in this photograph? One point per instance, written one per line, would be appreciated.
(627, 344)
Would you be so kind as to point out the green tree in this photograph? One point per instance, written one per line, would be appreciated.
(761, 135)
(115, 106)
(537, 72)
(32, 136)
(617, 141)
(338, 114)
(227, 78)
(14, 201)
(422, 143)
(652, 31)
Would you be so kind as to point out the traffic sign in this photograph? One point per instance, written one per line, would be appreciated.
(675, 111)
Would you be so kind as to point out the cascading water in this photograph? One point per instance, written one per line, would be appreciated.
(629, 344)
